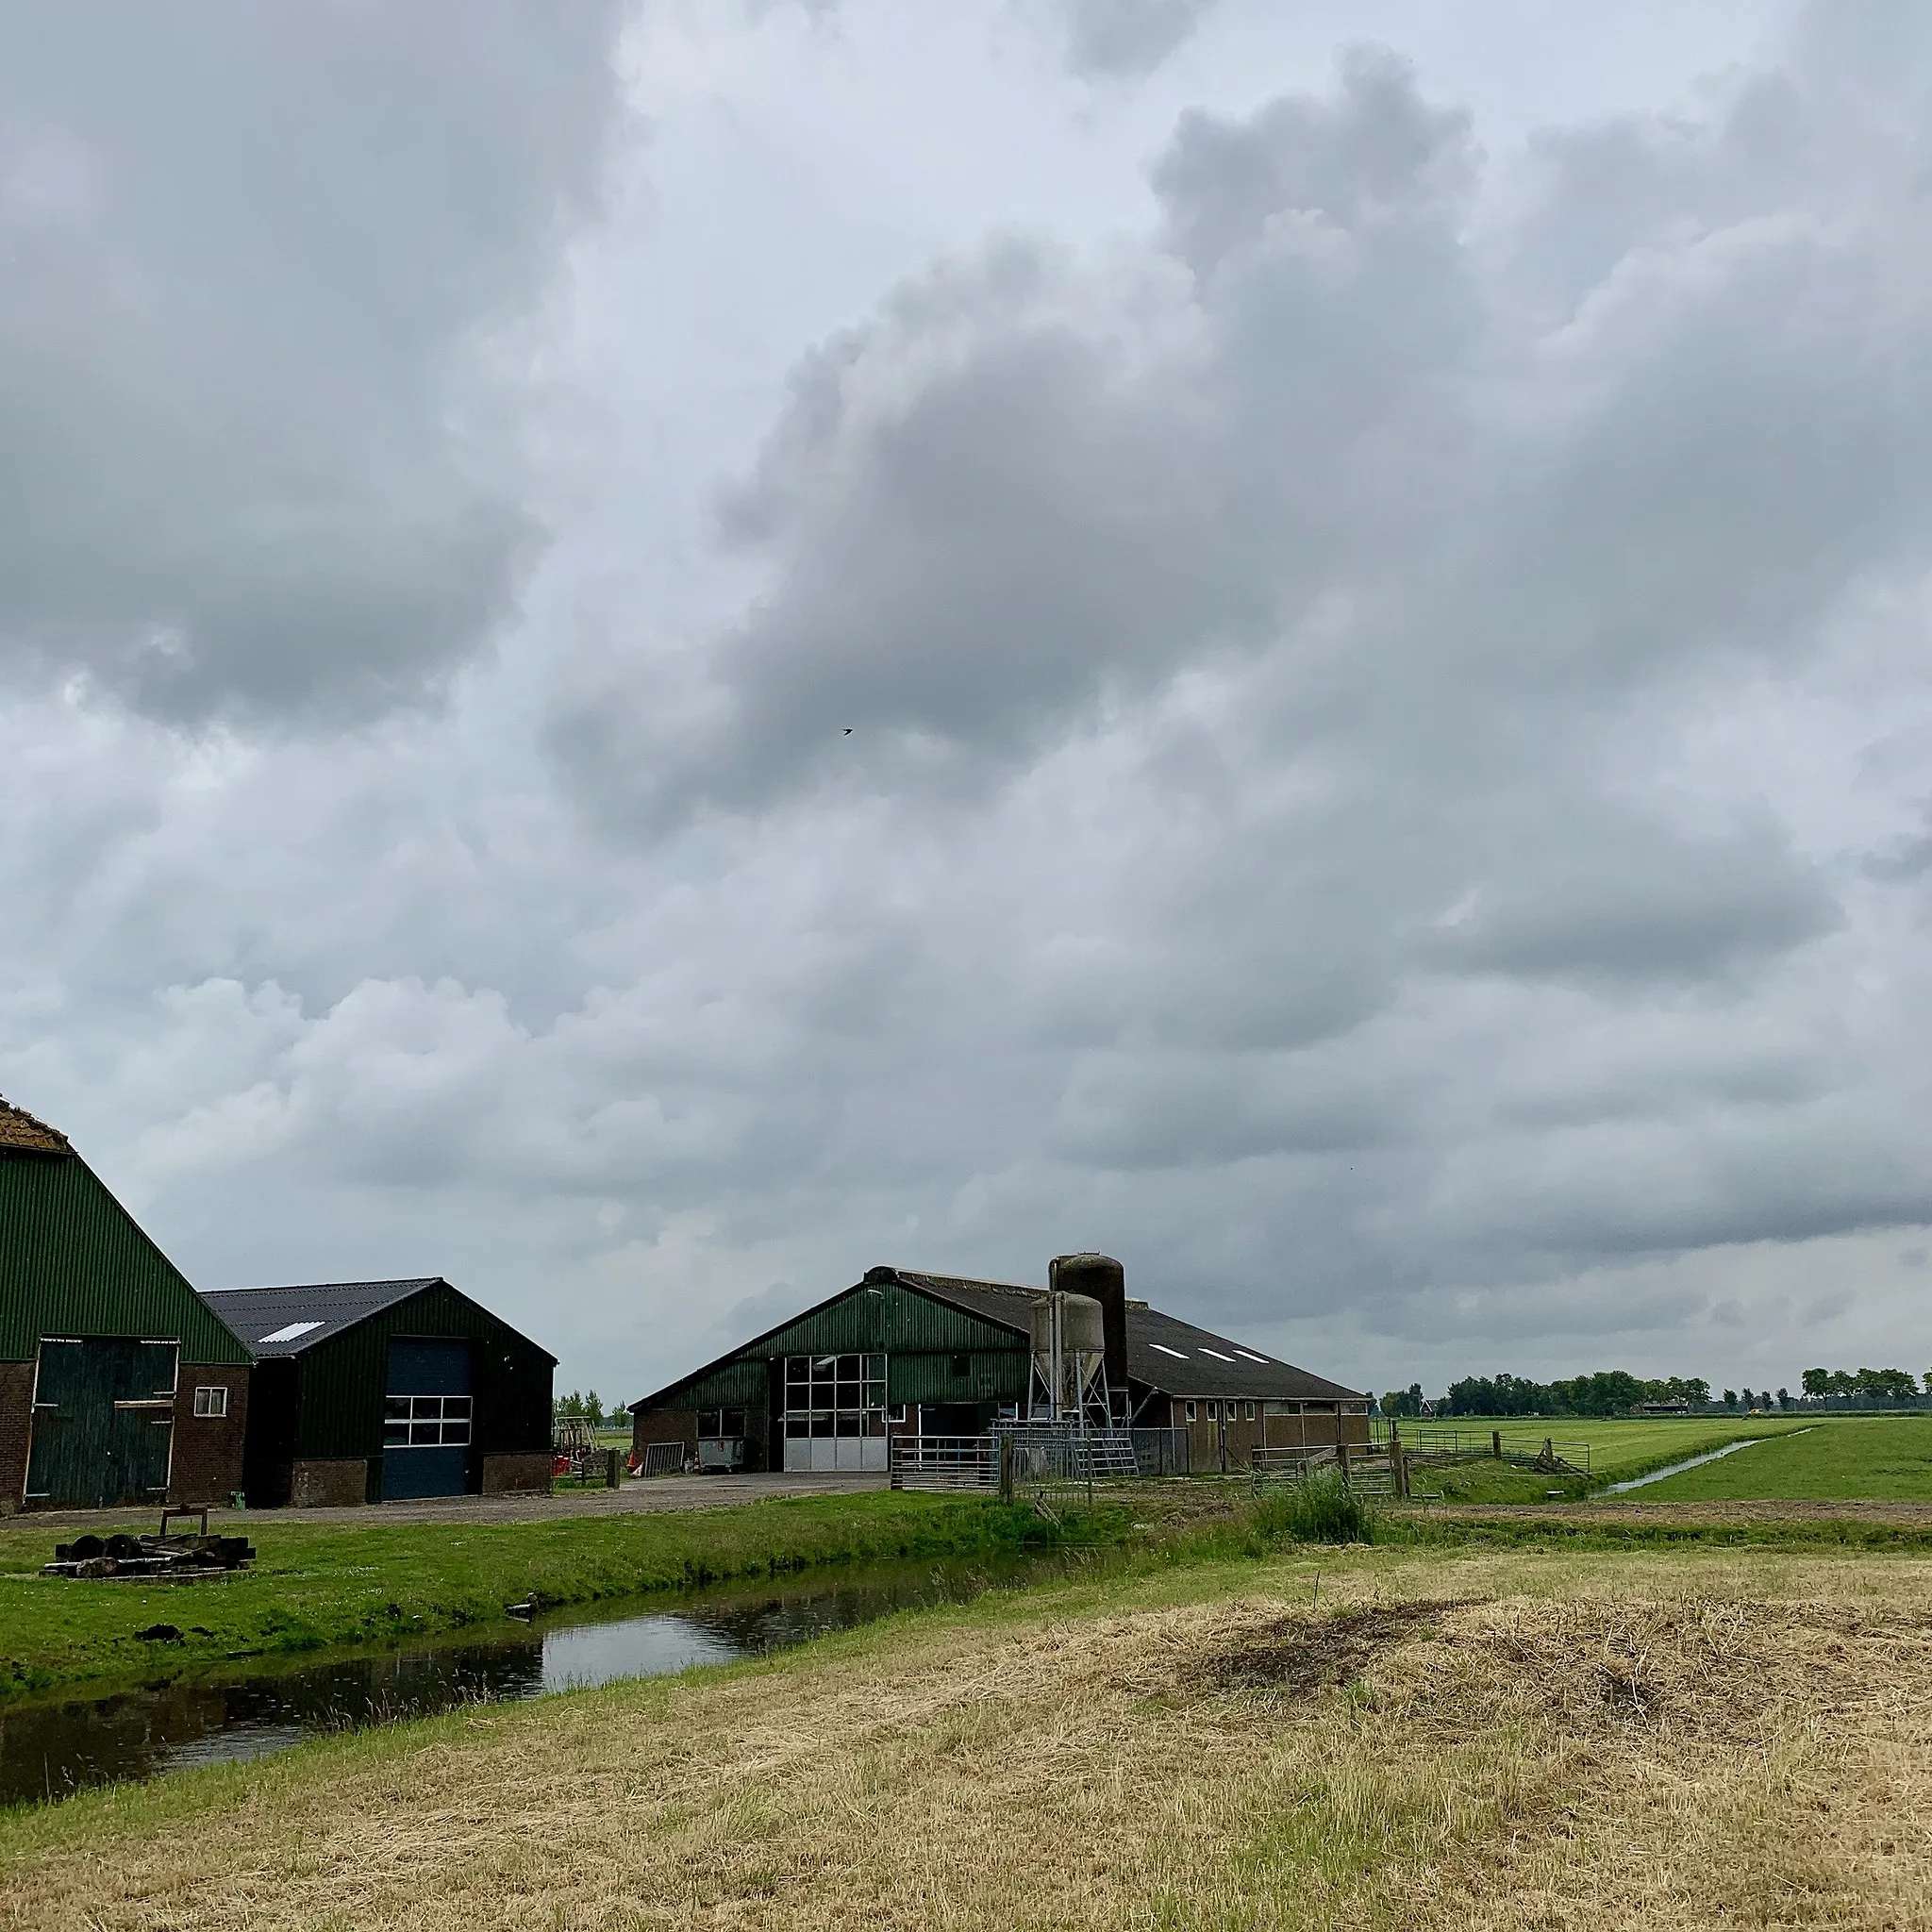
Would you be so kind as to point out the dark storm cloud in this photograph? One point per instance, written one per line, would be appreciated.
(264, 268)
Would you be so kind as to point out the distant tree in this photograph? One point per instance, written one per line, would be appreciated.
(1404, 1402)
(1730, 1398)
(1815, 1383)
(1784, 1398)
(1840, 1383)
(593, 1409)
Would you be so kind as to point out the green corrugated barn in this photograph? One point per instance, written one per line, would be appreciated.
(117, 1384)
(906, 1353)
(373, 1391)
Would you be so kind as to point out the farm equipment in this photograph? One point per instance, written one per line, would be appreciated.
(576, 1456)
(179, 1557)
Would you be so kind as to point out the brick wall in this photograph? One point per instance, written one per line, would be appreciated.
(333, 1482)
(649, 1426)
(16, 1427)
(208, 1449)
(508, 1475)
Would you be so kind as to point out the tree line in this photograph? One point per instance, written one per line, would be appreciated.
(588, 1406)
(1613, 1392)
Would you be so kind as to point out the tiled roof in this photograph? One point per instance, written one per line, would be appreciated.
(20, 1129)
(285, 1321)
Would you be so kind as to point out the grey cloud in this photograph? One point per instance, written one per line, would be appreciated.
(1115, 37)
(265, 267)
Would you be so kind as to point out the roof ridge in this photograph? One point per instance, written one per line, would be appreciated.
(19, 1128)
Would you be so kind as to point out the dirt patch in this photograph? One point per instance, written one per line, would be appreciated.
(1302, 1654)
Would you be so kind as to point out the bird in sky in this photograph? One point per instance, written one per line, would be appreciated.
(848, 731)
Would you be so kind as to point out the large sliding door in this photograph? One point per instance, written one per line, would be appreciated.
(104, 1420)
(425, 1420)
(834, 1411)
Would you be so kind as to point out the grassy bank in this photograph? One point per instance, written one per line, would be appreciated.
(324, 1584)
(1879, 1458)
(1471, 1740)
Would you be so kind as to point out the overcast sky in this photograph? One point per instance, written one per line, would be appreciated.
(650, 656)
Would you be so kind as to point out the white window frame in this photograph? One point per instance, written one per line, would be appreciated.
(211, 1401)
(426, 1421)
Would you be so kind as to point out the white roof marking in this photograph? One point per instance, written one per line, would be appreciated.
(292, 1332)
(1216, 1353)
(1165, 1350)
(1262, 1358)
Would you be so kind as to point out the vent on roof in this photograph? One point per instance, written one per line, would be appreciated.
(293, 1332)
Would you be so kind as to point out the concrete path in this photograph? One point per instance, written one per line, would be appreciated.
(660, 1492)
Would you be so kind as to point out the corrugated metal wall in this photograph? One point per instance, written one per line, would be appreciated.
(74, 1263)
(343, 1380)
(919, 1336)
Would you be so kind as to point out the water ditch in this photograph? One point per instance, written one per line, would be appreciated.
(1656, 1475)
(54, 1745)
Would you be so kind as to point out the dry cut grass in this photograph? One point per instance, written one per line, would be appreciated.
(1456, 1755)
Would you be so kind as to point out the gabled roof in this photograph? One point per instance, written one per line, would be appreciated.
(1004, 1301)
(1177, 1358)
(285, 1321)
(20, 1130)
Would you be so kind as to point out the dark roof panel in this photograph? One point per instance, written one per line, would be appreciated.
(1181, 1359)
(285, 1321)
(1004, 1301)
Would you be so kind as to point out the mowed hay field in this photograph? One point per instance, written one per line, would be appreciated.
(1879, 1458)
(1694, 1739)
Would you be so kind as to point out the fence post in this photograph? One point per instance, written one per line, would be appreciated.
(1341, 1456)
(1496, 1443)
(1005, 1469)
(1398, 1463)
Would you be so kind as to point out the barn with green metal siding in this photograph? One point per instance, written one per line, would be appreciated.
(912, 1354)
(370, 1391)
(825, 1389)
(117, 1384)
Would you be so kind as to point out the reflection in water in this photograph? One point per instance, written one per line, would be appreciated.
(49, 1747)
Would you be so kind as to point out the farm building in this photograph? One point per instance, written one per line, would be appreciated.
(370, 1391)
(117, 1385)
(907, 1352)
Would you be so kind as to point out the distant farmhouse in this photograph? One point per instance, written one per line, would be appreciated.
(117, 1385)
(907, 1352)
(376, 1392)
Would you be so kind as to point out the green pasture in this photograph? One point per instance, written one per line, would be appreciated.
(1617, 1449)
(317, 1584)
(1878, 1459)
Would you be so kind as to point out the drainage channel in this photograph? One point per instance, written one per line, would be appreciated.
(1656, 1475)
(55, 1745)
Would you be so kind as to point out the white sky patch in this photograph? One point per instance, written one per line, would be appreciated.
(1306, 666)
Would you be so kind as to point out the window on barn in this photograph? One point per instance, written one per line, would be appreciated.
(835, 1394)
(1251, 1412)
(959, 1367)
(425, 1422)
(1190, 1411)
(211, 1401)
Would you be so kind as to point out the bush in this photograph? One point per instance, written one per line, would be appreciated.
(1320, 1508)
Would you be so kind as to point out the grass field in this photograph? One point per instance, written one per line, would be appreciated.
(1881, 1458)
(1477, 1742)
(1617, 1449)
(317, 1584)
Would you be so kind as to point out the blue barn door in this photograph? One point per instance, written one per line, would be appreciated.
(425, 1420)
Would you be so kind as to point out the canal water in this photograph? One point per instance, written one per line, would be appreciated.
(54, 1745)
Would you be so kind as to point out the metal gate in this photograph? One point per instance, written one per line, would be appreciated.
(104, 1420)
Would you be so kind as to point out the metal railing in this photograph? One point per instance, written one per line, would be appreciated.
(944, 1462)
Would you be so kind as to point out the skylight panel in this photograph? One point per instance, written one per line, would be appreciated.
(1165, 1350)
(1216, 1353)
(293, 1332)
(1245, 1356)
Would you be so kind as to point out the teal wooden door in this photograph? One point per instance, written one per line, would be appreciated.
(103, 1422)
